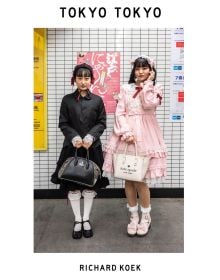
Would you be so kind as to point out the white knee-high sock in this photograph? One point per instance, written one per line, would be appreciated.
(88, 202)
(74, 198)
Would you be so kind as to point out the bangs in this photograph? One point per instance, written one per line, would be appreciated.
(141, 62)
(83, 72)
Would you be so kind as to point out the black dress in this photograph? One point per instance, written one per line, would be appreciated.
(81, 116)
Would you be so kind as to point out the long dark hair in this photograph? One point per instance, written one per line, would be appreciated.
(141, 62)
(82, 70)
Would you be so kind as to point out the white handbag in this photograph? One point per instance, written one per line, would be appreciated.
(130, 167)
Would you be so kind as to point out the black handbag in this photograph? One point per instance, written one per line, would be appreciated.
(80, 170)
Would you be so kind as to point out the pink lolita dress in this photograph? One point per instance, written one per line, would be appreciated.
(136, 115)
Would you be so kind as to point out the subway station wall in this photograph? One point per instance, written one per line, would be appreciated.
(62, 48)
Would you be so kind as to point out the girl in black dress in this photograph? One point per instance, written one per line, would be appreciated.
(82, 121)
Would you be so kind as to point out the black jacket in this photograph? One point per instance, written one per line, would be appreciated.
(81, 116)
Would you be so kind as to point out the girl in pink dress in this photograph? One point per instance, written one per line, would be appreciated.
(135, 121)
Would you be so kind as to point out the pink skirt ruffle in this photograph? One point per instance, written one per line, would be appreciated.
(149, 143)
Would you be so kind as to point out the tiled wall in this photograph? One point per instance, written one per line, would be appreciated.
(63, 45)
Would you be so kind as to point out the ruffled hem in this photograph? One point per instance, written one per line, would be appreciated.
(109, 175)
(154, 176)
(160, 152)
(109, 148)
(154, 181)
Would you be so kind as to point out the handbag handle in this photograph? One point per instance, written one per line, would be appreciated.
(135, 145)
(87, 158)
(126, 146)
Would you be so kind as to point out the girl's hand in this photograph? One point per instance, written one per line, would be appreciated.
(130, 140)
(78, 144)
(87, 141)
(86, 145)
(151, 76)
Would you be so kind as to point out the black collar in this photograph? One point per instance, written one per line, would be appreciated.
(77, 95)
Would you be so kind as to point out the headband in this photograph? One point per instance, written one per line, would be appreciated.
(149, 60)
(83, 65)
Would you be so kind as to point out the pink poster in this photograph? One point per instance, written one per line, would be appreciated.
(106, 66)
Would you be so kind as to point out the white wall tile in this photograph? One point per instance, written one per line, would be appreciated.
(63, 45)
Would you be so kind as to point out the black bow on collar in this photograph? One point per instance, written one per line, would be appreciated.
(77, 95)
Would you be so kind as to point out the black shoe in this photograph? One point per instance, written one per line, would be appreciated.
(87, 232)
(77, 234)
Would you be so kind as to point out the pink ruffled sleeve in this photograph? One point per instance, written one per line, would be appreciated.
(151, 95)
(121, 126)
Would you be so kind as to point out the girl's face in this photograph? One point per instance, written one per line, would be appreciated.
(83, 83)
(142, 73)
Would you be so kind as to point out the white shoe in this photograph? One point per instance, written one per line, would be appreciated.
(132, 226)
(145, 224)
